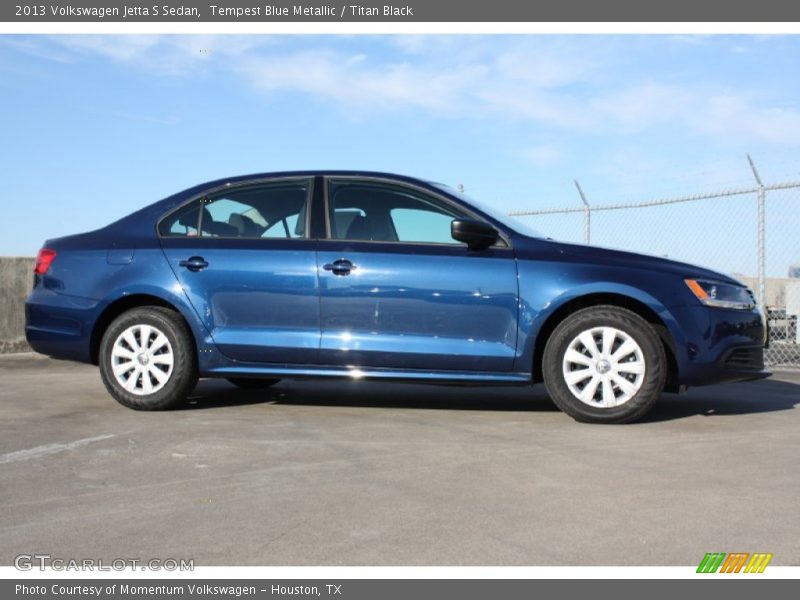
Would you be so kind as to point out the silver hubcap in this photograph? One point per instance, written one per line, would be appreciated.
(142, 359)
(603, 367)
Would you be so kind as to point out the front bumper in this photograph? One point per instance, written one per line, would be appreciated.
(742, 363)
(720, 345)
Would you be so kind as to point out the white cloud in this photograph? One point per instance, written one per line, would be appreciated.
(551, 82)
(122, 48)
(453, 78)
(33, 47)
(173, 55)
(354, 81)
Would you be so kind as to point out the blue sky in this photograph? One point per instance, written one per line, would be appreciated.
(96, 126)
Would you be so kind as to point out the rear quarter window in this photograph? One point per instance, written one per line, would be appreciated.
(181, 223)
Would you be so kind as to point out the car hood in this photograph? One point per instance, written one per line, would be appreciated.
(533, 248)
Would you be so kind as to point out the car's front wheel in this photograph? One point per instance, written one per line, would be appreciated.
(147, 359)
(604, 364)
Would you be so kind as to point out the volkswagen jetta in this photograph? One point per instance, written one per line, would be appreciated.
(371, 275)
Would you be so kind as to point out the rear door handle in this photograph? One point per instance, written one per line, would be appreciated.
(195, 263)
(339, 267)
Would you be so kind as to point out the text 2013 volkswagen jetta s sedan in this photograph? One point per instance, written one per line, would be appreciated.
(371, 275)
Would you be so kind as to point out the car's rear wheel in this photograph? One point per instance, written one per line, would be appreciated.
(147, 359)
(252, 383)
(604, 364)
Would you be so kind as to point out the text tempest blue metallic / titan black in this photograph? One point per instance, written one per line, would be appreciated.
(356, 274)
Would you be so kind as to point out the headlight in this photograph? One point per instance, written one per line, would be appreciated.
(722, 295)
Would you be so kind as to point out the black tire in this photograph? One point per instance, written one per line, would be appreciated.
(252, 383)
(652, 351)
(182, 378)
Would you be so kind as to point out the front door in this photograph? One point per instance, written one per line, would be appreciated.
(396, 291)
(243, 257)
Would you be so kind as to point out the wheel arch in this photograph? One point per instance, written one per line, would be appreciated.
(123, 304)
(620, 300)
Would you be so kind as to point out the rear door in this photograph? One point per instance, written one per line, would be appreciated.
(245, 260)
(396, 291)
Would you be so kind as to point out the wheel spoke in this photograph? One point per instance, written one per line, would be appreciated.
(573, 377)
(588, 392)
(573, 356)
(147, 384)
(609, 335)
(133, 379)
(163, 359)
(158, 343)
(609, 398)
(587, 339)
(634, 367)
(626, 386)
(160, 375)
(627, 347)
(121, 351)
(123, 368)
(144, 337)
(131, 340)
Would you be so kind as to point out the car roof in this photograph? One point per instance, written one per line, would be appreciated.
(194, 190)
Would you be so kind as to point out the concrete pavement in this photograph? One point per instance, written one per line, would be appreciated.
(344, 473)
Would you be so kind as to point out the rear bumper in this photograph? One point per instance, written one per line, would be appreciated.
(59, 325)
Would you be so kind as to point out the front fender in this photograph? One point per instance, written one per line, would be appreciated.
(539, 306)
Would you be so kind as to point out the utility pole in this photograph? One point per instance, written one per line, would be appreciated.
(762, 237)
(587, 215)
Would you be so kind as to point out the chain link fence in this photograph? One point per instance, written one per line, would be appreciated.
(753, 233)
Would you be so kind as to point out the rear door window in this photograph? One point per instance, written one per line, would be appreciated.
(269, 210)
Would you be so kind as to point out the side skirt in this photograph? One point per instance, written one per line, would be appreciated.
(352, 373)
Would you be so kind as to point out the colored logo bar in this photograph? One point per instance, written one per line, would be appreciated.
(736, 562)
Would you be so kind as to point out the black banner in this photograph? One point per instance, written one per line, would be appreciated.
(390, 589)
(414, 11)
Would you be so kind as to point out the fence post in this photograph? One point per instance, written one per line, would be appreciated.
(587, 215)
(762, 237)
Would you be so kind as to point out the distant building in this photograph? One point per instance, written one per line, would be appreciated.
(774, 288)
(794, 271)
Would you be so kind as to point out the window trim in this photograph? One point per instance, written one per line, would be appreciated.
(203, 198)
(328, 179)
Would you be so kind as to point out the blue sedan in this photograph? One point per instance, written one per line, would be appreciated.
(372, 275)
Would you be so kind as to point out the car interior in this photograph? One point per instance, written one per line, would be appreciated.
(273, 212)
(366, 213)
(357, 212)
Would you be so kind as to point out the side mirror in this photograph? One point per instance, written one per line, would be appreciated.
(477, 235)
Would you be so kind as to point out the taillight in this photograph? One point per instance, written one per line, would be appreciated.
(44, 260)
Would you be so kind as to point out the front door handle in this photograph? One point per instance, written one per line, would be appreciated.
(195, 263)
(340, 267)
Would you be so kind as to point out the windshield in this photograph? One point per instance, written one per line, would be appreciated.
(498, 215)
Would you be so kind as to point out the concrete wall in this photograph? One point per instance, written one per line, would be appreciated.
(16, 279)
